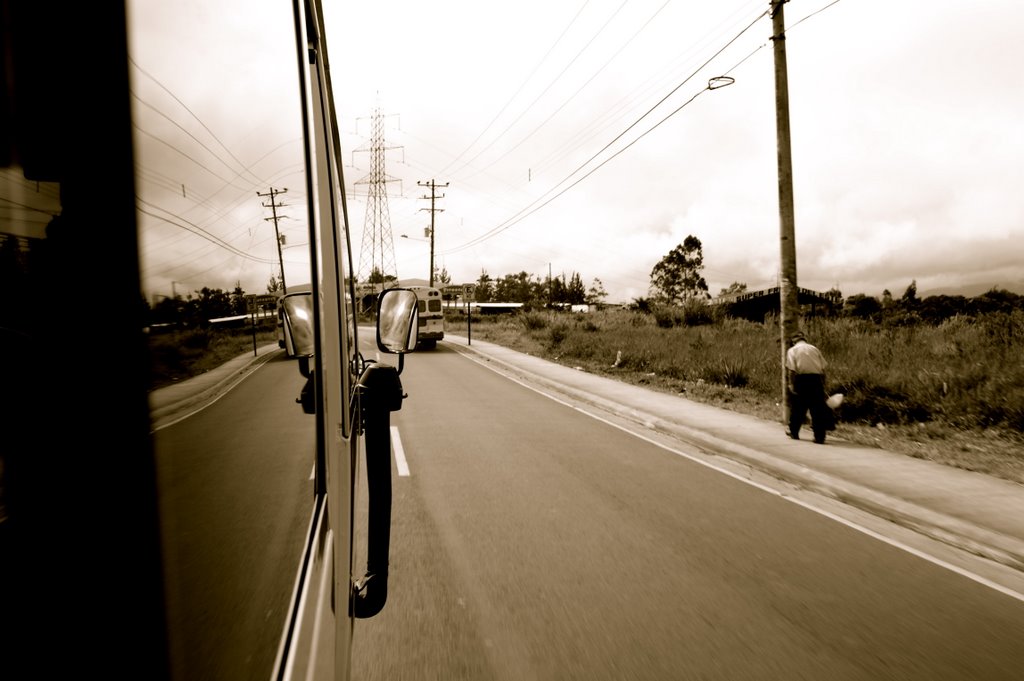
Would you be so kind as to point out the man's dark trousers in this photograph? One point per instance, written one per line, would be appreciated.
(809, 395)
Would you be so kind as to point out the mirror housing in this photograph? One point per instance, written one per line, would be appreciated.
(295, 323)
(397, 321)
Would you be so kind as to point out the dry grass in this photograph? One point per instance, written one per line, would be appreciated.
(953, 394)
(179, 355)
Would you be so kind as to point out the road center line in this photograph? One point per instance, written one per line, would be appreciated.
(396, 445)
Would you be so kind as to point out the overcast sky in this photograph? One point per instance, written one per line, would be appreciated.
(581, 136)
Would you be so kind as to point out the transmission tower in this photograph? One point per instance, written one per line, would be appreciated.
(377, 253)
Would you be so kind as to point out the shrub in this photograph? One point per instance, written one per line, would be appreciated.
(558, 332)
(534, 321)
(727, 373)
(696, 312)
(195, 340)
(642, 305)
(872, 403)
(666, 316)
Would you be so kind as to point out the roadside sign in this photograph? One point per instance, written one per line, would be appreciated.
(262, 302)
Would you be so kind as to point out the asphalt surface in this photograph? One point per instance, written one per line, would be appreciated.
(970, 511)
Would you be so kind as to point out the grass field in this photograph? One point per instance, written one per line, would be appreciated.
(952, 393)
(178, 355)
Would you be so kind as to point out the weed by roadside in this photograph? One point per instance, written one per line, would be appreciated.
(952, 393)
(179, 355)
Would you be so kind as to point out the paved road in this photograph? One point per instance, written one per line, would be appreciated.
(534, 541)
(492, 600)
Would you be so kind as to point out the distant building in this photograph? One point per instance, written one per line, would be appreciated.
(756, 305)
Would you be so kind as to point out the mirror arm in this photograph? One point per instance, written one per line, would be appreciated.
(307, 397)
(380, 393)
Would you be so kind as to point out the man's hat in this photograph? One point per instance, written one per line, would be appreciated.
(798, 336)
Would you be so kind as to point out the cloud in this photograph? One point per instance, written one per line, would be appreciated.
(905, 122)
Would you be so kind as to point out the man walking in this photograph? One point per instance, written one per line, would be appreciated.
(805, 380)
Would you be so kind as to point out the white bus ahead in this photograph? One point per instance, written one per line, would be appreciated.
(431, 314)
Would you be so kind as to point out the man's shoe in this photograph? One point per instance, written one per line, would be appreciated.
(819, 440)
(792, 435)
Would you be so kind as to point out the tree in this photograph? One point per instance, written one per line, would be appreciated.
(863, 307)
(596, 293)
(557, 291)
(676, 278)
(936, 309)
(518, 288)
(377, 277)
(166, 310)
(239, 304)
(575, 292)
(996, 300)
(641, 304)
(209, 303)
(909, 300)
(442, 278)
(734, 289)
(274, 285)
(484, 287)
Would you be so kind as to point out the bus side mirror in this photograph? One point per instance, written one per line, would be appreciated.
(397, 321)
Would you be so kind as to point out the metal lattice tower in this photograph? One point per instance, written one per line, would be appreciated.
(378, 248)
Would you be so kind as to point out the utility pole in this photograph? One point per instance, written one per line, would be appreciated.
(433, 199)
(277, 234)
(788, 297)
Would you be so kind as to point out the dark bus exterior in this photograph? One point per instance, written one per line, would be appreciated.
(89, 167)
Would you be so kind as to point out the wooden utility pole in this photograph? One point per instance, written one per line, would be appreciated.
(433, 198)
(550, 299)
(789, 309)
(277, 234)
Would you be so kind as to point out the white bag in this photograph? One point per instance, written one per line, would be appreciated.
(834, 401)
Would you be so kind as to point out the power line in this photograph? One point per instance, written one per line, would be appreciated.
(530, 209)
(199, 231)
(578, 90)
(549, 86)
(516, 93)
(587, 132)
(194, 116)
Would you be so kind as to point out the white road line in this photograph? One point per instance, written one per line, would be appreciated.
(935, 560)
(396, 445)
